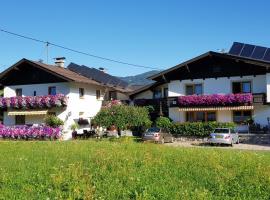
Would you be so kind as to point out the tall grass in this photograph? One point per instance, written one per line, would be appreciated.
(128, 170)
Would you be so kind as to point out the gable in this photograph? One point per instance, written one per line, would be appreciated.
(26, 73)
(213, 65)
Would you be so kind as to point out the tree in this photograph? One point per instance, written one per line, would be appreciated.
(123, 117)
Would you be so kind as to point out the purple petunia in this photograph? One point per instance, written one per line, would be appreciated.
(28, 102)
(215, 100)
(26, 132)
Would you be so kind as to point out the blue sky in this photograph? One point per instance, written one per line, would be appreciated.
(152, 33)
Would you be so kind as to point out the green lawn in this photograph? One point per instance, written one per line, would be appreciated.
(129, 170)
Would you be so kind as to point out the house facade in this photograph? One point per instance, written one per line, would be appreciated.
(33, 90)
(198, 88)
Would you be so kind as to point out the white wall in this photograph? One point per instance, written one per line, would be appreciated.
(122, 96)
(260, 84)
(260, 114)
(219, 86)
(89, 105)
(28, 90)
(41, 89)
(148, 94)
(268, 87)
(224, 116)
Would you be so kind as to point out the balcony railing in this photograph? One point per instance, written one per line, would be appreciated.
(216, 100)
(32, 102)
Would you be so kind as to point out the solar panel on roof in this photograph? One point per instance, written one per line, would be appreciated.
(247, 50)
(259, 52)
(250, 51)
(236, 48)
(267, 55)
(97, 75)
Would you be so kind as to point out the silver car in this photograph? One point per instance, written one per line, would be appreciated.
(157, 135)
(224, 136)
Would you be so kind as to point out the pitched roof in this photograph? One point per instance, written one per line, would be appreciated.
(210, 54)
(63, 73)
(99, 76)
(66, 73)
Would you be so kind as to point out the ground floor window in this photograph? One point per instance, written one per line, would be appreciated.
(19, 119)
(200, 116)
(241, 117)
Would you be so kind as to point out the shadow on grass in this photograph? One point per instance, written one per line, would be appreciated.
(207, 144)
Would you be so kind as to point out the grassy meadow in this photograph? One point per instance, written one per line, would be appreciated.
(123, 169)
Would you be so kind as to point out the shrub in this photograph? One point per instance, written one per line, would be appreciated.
(123, 117)
(74, 126)
(53, 121)
(164, 122)
(201, 129)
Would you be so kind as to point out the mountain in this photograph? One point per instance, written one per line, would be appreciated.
(140, 79)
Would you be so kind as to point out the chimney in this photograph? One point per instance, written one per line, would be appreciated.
(102, 69)
(60, 61)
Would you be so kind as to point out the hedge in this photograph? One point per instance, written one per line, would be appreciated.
(201, 129)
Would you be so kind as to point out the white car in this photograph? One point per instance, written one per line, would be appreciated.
(224, 136)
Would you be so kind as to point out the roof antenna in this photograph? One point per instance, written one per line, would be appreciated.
(47, 51)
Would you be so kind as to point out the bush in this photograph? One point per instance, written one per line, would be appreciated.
(53, 121)
(123, 117)
(164, 123)
(201, 129)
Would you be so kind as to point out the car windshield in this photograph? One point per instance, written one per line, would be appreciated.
(153, 129)
(221, 130)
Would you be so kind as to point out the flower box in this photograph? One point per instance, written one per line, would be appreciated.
(29, 102)
(215, 100)
(32, 132)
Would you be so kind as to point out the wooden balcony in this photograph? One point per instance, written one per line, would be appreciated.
(257, 98)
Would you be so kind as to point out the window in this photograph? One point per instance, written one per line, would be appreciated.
(241, 87)
(200, 116)
(19, 119)
(35, 93)
(98, 94)
(112, 95)
(52, 90)
(194, 89)
(81, 114)
(241, 117)
(81, 92)
(18, 92)
(157, 94)
(165, 92)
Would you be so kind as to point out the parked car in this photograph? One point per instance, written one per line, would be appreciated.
(157, 135)
(224, 136)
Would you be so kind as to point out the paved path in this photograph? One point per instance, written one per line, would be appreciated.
(235, 146)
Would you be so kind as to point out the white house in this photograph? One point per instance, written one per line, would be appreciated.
(245, 69)
(30, 79)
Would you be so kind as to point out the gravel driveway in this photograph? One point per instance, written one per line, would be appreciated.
(206, 145)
